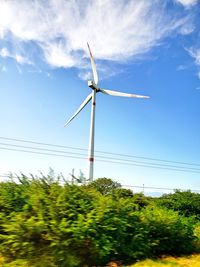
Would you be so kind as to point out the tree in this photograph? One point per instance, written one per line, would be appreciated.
(104, 185)
(186, 203)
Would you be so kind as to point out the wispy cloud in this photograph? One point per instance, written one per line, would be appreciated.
(19, 58)
(195, 53)
(187, 3)
(182, 67)
(117, 30)
(187, 28)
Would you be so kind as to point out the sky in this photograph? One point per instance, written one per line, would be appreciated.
(143, 47)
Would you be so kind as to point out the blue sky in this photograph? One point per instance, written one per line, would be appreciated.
(143, 47)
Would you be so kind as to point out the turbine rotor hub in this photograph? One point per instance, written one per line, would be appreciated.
(92, 85)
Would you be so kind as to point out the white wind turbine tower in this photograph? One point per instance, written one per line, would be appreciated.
(92, 96)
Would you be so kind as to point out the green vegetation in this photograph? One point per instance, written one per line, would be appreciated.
(47, 222)
(186, 203)
(192, 261)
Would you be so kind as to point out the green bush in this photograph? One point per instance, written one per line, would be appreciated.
(168, 232)
(186, 203)
(45, 222)
(197, 235)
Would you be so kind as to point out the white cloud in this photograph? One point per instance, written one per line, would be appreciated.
(4, 52)
(19, 58)
(187, 3)
(56, 54)
(85, 75)
(188, 28)
(117, 30)
(195, 53)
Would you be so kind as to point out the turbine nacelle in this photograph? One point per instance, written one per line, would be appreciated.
(92, 85)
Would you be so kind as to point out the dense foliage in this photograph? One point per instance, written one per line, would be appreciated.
(186, 203)
(47, 222)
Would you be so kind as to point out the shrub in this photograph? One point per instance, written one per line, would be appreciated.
(186, 203)
(168, 232)
(44, 222)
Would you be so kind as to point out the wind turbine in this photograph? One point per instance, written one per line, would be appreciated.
(92, 96)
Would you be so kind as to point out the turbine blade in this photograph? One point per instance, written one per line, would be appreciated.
(94, 70)
(85, 102)
(116, 93)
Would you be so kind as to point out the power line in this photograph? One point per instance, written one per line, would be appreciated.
(103, 157)
(150, 166)
(98, 151)
(145, 165)
(41, 153)
(160, 188)
(44, 149)
(41, 143)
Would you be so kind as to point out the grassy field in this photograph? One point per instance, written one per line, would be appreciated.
(192, 261)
